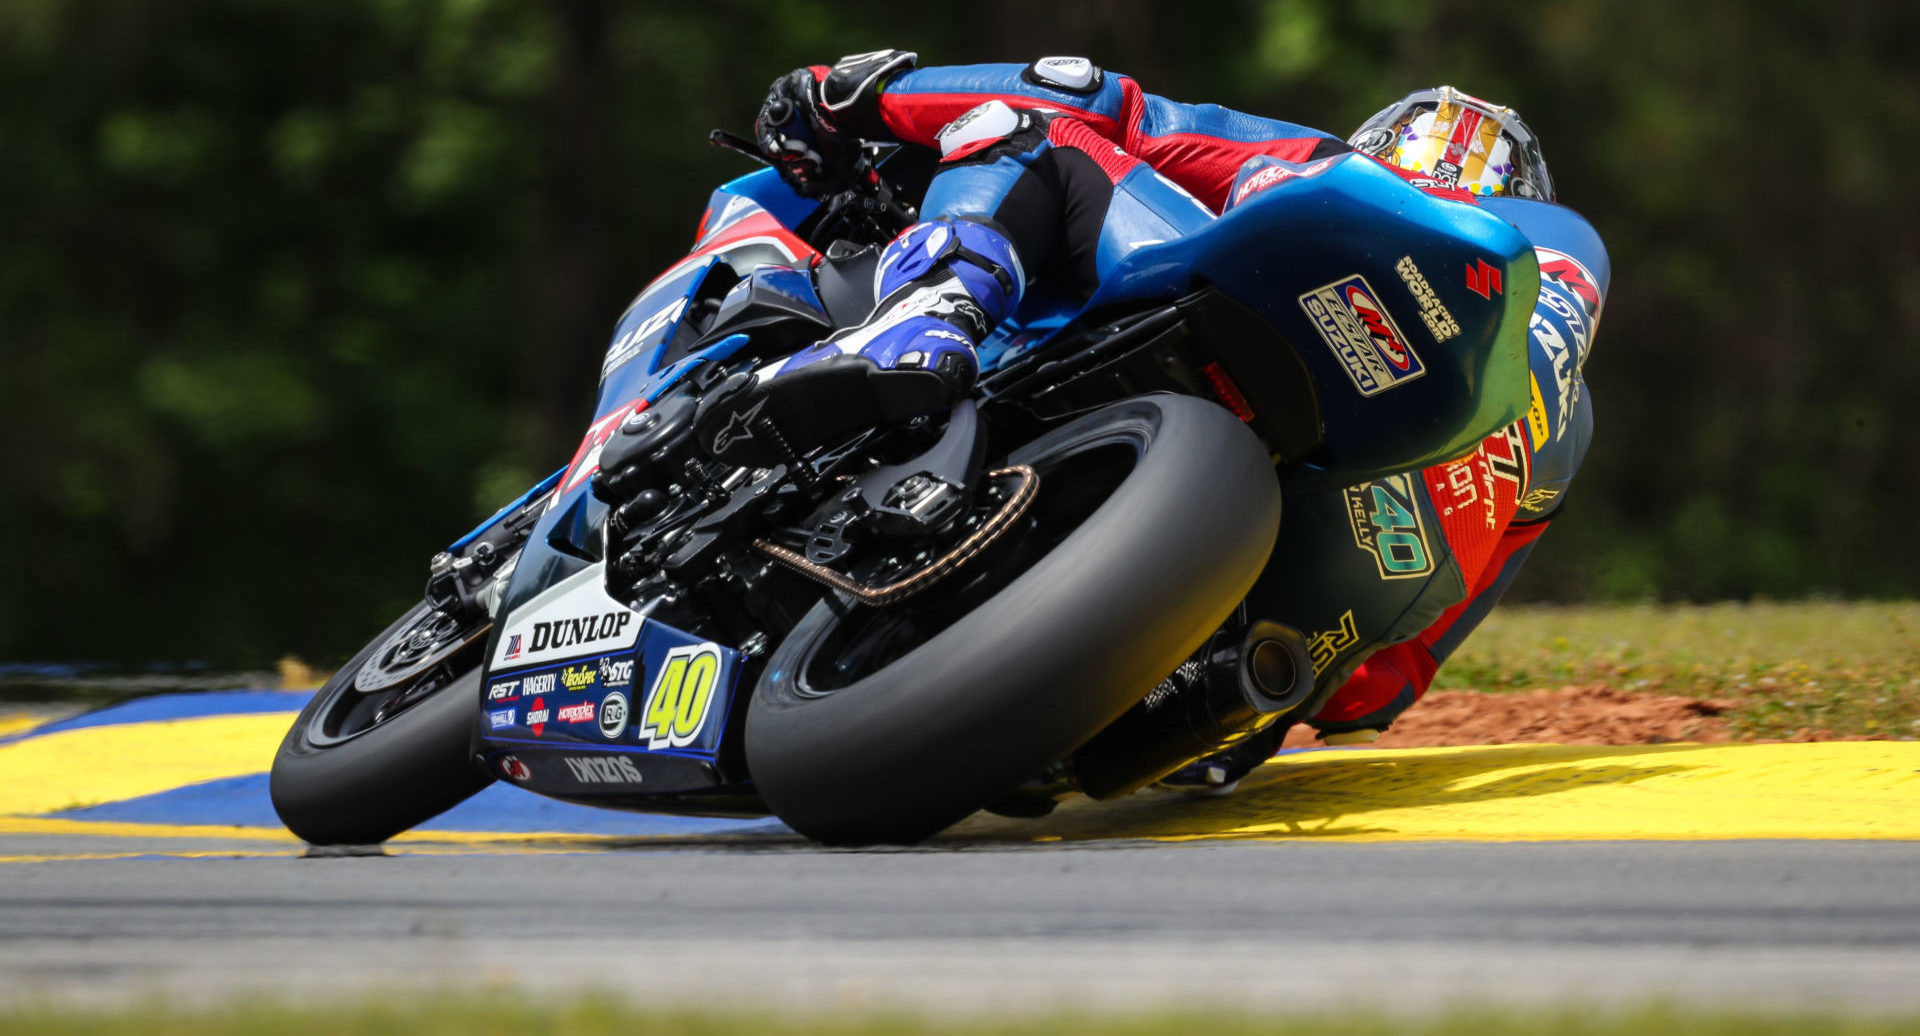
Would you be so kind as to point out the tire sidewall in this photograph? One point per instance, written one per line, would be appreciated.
(392, 777)
(1049, 660)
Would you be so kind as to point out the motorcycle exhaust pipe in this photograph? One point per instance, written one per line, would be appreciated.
(1233, 688)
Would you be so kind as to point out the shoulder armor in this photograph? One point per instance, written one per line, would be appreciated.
(850, 93)
(1074, 75)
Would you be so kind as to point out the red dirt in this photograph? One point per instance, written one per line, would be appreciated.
(1595, 714)
(1589, 715)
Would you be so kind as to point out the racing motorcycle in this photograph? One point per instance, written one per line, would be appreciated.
(1033, 593)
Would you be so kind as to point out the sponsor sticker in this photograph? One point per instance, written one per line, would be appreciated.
(1537, 414)
(514, 769)
(681, 697)
(1472, 483)
(1560, 332)
(1538, 499)
(1326, 645)
(1351, 320)
(593, 769)
(1572, 275)
(627, 346)
(513, 646)
(537, 716)
(1386, 523)
(1271, 176)
(586, 629)
(584, 712)
(500, 718)
(616, 672)
(503, 690)
(1483, 279)
(613, 715)
(571, 621)
(1440, 323)
(577, 678)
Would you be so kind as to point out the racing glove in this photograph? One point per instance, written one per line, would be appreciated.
(812, 157)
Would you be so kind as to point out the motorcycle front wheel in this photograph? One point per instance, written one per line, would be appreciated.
(885, 725)
(383, 746)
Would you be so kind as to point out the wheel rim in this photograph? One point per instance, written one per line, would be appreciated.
(408, 666)
(866, 640)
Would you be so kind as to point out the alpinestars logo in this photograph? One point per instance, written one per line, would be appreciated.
(738, 427)
(548, 636)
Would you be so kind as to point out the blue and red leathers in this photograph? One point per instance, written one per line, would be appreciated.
(1072, 167)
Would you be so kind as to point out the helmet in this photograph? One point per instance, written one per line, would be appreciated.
(1458, 140)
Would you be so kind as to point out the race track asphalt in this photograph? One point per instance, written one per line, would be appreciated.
(973, 927)
(138, 856)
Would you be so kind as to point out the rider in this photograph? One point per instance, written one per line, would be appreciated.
(1056, 170)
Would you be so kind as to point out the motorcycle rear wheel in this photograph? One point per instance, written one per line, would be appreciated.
(359, 767)
(1154, 517)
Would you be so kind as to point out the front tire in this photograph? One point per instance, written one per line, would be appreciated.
(350, 772)
(1154, 518)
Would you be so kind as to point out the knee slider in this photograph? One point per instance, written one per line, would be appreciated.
(971, 251)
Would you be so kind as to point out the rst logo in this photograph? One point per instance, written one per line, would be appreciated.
(616, 672)
(548, 636)
(616, 769)
(504, 690)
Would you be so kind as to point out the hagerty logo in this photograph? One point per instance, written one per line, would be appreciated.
(541, 684)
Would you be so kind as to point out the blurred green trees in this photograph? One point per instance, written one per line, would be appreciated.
(292, 291)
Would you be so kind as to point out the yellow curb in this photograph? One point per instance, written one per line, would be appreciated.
(1866, 789)
(73, 768)
(15, 724)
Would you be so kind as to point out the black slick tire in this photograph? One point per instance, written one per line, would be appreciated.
(391, 777)
(1053, 656)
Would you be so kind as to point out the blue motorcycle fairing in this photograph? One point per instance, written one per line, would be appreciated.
(1365, 276)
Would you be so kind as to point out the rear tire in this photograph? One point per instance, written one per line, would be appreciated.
(1165, 509)
(361, 787)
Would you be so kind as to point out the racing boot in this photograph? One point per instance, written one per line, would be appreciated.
(942, 286)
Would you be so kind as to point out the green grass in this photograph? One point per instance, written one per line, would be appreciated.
(496, 1015)
(1842, 667)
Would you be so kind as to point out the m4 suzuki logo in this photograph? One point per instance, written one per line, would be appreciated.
(1362, 335)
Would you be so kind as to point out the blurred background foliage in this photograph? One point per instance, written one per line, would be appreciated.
(294, 291)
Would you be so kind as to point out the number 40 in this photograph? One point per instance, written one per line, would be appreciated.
(681, 696)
